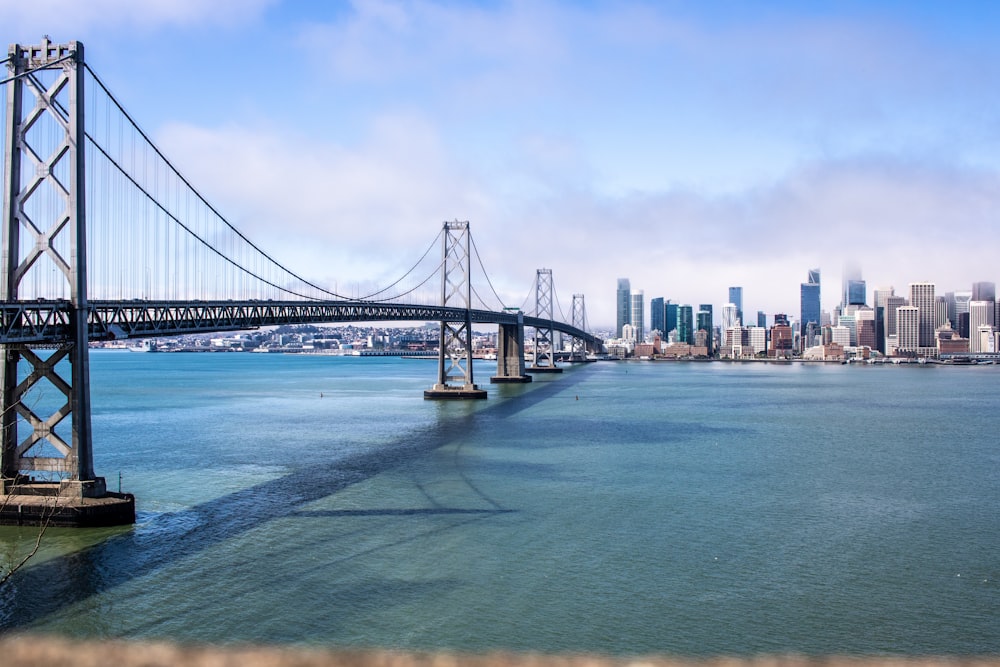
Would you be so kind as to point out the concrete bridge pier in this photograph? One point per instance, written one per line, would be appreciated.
(510, 354)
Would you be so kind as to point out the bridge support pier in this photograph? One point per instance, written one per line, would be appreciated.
(47, 473)
(510, 354)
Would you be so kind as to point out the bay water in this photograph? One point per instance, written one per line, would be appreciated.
(625, 508)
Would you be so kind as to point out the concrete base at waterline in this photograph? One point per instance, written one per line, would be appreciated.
(543, 369)
(68, 505)
(465, 392)
(510, 379)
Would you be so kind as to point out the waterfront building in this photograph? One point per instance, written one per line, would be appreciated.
(907, 329)
(637, 314)
(809, 301)
(949, 343)
(670, 314)
(704, 323)
(623, 305)
(782, 341)
(840, 335)
(882, 314)
(986, 291)
(961, 317)
(685, 324)
(657, 315)
(736, 297)
(864, 323)
(757, 338)
(922, 298)
(730, 316)
(980, 315)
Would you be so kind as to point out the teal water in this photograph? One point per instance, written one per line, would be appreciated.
(625, 508)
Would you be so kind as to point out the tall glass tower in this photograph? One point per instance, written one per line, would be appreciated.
(736, 297)
(657, 314)
(637, 315)
(809, 303)
(623, 305)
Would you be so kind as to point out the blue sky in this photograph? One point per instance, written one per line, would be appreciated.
(687, 146)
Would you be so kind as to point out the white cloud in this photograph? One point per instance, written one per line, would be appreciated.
(67, 19)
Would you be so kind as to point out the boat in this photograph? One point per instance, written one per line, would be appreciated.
(143, 346)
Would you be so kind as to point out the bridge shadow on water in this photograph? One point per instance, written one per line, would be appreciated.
(45, 588)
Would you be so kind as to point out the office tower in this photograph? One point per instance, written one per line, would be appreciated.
(809, 309)
(637, 315)
(657, 316)
(622, 305)
(864, 322)
(891, 327)
(736, 296)
(922, 298)
(730, 316)
(940, 312)
(852, 285)
(961, 322)
(980, 315)
(705, 323)
(671, 317)
(761, 319)
(986, 291)
(685, 324)
(908, 328)
(882, 315)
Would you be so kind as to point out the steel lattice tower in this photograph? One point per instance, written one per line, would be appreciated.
(455, 346)
(579, 320)
(544, 340)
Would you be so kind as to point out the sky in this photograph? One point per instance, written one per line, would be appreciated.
(687, 146)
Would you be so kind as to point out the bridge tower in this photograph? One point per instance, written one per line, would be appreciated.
(44, 234)
(579, 320)
(455, 344)
(544, 338)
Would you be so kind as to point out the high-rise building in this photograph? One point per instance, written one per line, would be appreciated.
(908, 329)
(857, 293)
(736, 296)
(940, 312)
(882, 314)
(671, 317)
(685, 324)
(623, 305)
(851, 285)
(980, 315)
(986, 291)
(730, 316)
(891, 324)
(864, 323)
(657, 316)
(705, 323)
(961, 321)
(922, 298)
(810, 316)
(637, 315)
(761, 319)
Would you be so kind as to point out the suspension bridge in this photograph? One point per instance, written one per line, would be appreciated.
(104, 239)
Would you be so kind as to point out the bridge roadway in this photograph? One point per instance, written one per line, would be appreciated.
(49, 322)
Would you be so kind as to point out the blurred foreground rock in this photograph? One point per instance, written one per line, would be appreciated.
(38, 651)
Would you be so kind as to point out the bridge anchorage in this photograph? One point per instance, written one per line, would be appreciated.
(47, 473)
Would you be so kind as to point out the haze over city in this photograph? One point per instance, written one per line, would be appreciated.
(687, 146)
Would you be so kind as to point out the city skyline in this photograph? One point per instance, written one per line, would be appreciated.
(689, 147)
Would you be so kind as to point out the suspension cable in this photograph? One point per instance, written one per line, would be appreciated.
(412, 269)
(479, 259)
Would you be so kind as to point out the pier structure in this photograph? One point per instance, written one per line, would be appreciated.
(510, 353)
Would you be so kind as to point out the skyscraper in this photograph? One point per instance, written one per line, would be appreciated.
(908, 328)
(882, 315)
(637, 315)
(657, 316)
(622, 305)
(685, 324)
(671, 317)
(980, 316)
(736, 297)
(922, 298)
(986, 291)
(809, 304)
(705, 322)
(730, 316)
(850, 280)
